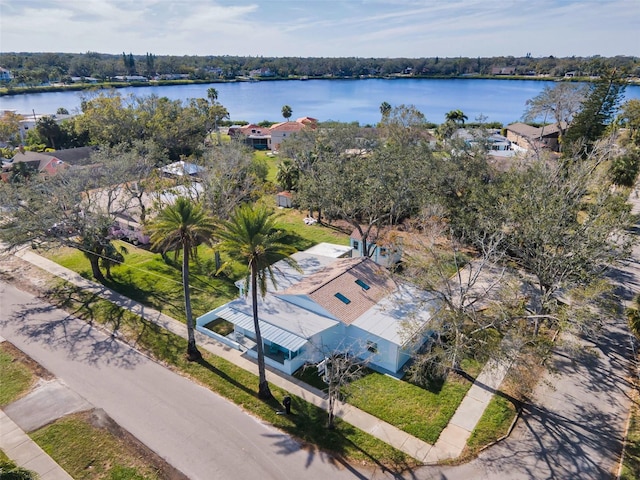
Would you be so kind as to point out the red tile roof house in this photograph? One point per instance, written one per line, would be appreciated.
(254, 135)
(283, 130)
(263, 138)
(351, 305)
(44, 163)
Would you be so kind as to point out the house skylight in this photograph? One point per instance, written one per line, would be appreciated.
(362, 284)
(342, 298)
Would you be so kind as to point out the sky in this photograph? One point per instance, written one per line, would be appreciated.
(324, 28)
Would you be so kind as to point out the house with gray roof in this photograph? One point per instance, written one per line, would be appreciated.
(337, 303)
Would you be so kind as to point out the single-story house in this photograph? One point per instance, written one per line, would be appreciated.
(350, 305)
(491, 139)
(532, 138)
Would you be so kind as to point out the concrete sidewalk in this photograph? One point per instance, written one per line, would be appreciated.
(19, 447)
(449, 446)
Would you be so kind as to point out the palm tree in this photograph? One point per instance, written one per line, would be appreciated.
(456, 116)
(212, 95)
(385, 109)
(287, 112)
(183, 226)
(250, 236)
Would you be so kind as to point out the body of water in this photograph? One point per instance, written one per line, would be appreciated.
(340, 100)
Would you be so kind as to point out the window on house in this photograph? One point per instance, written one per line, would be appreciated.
(372, 346)
(362, 284)
(383, 252)
(342, 298)
(356, 245)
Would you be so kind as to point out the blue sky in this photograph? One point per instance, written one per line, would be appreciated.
(323, 28)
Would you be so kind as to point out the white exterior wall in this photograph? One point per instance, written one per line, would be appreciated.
(387, 352)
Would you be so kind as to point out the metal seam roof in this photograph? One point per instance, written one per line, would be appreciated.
(269, 332)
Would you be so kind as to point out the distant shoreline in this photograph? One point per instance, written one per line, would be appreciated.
(10, 91)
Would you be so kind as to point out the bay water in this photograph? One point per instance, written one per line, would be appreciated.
(352, 100)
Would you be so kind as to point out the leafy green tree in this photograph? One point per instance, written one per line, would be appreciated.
(630, 118)
(62, 111)
(75, 208)
(625, 168)
(51, 131)
(251, 237)
(10, 128)
(287, 112)
(181, 227)
(564, 226)
(596, 111)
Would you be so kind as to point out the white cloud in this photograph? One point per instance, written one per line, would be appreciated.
(370, 28)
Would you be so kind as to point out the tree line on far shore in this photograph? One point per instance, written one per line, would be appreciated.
(33, 69)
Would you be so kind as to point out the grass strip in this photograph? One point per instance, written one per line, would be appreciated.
(493, 424)
(16, 377)
(88, 451)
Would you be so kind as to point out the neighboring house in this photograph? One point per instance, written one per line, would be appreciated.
(503, 70)
(284, 199)
(270, 138)
(84, 80)
(30, 121)
(131, 78)
(5, 75)
(351, 305)
(262, 72)
(43, 163)
(181, 169)
(76, 157)
(254, 135)
(385, 253)
(491, 139)
(533, 138)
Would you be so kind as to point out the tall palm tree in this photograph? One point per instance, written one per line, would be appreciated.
(251, 236)
(181, 227)
(287, 112)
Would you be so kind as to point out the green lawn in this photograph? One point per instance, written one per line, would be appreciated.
(147, 278)
(419, 411)
(86, 451)
(493, 424)
(16, 377)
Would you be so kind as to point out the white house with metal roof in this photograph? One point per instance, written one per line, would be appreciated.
(351, 304)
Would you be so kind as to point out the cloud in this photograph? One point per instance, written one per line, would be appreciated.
(338, 28)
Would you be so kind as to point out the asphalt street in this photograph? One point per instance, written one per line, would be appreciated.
(201, 434)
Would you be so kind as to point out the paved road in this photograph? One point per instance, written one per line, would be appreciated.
(201, 434)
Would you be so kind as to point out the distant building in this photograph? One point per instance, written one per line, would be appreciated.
(5, 75)
(503, 70)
